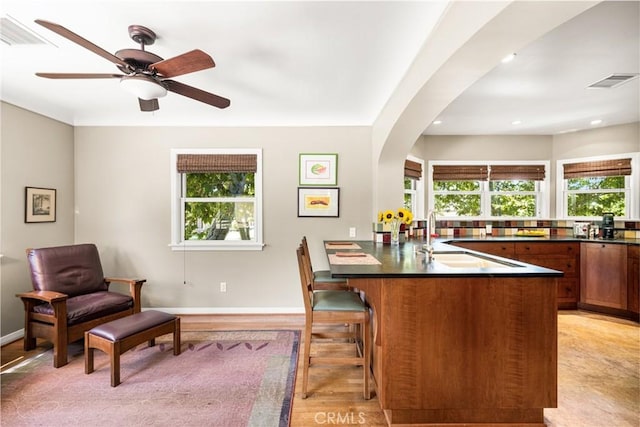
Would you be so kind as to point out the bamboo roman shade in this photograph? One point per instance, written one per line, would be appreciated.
(517, 172)
(615, 167)
(460, 172)
(488, 172)
(412, 169)
(222, 163)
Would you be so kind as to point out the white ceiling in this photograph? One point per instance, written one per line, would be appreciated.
(318, 64)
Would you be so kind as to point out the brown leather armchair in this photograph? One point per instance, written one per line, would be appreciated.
(70, 296)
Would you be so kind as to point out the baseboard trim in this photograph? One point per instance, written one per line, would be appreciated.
(14, 336)
(229, 310)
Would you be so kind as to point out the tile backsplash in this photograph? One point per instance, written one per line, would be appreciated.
(447, 228)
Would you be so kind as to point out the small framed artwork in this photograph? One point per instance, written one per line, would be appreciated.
(318, 202)
(318, 169)
(40, 204)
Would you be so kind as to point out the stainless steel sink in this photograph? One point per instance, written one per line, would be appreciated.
(467, 260)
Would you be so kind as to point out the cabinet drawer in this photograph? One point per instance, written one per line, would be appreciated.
(568, 265)
(568, 289)
(555, 248)
(503, 249)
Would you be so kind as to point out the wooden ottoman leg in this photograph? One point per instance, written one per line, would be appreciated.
(114, 354)
(88, 354)
(176, 337)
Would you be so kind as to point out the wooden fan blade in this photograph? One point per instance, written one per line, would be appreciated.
(148, 104)
(197, 94)
(78, 76)
(60, 30)
(189, 62)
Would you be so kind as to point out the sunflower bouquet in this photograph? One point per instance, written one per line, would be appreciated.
(395, 219)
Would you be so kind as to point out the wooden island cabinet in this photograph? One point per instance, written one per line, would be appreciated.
(457, 346)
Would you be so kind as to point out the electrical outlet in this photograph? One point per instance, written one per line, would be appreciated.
(352, 232)
(223, 286)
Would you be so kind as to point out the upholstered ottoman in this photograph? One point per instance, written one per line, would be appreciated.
(118, 336)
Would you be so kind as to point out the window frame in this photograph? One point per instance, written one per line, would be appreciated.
(178, 243)
(632, 186)
(542, 189)
(417, 193)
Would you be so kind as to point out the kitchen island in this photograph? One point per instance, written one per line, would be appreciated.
(456, 343)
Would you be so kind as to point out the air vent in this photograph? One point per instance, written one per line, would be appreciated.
(14, 33)
(613, 80)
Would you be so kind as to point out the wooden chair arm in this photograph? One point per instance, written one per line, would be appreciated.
(44, 296)
(135, 288)
(122, 280)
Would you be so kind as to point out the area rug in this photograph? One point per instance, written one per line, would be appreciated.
(229, 378)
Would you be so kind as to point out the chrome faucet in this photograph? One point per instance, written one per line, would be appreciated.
(431, 229)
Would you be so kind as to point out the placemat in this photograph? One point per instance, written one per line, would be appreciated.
(341, 245)
(364, 259)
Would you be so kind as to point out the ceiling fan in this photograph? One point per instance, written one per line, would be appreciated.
(145, 74)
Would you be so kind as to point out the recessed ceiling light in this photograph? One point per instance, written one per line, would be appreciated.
(437, 122)
(516, 122)
(596, 122)
(508, 58)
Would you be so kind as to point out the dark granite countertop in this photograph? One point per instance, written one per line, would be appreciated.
(405, 260)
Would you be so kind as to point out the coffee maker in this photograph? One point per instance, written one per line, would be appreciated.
(607, 226)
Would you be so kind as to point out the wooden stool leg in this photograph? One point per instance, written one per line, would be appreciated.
(366, 349)
(176, 337)
(306, 354)
(114, 354)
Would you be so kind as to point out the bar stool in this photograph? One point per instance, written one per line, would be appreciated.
(334, 307)
(321, 279)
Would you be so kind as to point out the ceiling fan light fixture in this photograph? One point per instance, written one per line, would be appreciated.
(143, 87)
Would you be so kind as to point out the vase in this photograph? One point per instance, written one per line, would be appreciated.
(395, 233)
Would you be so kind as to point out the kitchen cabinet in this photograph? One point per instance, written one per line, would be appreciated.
(633, 279)
(562, 256)
(604, 275)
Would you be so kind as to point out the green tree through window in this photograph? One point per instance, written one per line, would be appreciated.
(593, 196)
(210, 209)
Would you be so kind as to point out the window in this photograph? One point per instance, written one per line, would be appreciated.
(489, 190)
(216, 199)
(590, 187)
(413, 186)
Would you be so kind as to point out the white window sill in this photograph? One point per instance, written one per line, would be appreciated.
(205, 246)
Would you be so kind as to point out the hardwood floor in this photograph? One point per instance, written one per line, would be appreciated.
(598, 373)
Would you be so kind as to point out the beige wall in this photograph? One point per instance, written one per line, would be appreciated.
(597, 142)
(36, 152)
(486, 147)
(123, 205)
